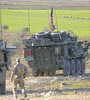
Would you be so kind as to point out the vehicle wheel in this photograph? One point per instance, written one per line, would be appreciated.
(2, 88)
(35, 72)
(41, 73)
(83, 66)
(78, 67)
(66, 69)
(72, 67)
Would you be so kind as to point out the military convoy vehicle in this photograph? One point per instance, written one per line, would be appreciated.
(5, 62)
(46, 52)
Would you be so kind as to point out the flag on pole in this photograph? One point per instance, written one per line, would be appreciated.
(51, 20)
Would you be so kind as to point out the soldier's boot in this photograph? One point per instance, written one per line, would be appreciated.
(25, 95)
(15, 96)
(15, 93)
(24, 92)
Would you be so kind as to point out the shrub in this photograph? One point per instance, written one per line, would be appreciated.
(5, 27)
(26, 29)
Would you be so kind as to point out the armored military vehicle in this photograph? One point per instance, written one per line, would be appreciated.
(5, 62)
(47, 52)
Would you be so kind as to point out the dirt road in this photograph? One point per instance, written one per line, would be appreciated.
(57, 87)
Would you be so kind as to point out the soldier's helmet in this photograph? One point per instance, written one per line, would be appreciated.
(18, 59)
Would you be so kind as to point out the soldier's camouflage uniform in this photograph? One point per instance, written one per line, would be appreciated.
(18, 74)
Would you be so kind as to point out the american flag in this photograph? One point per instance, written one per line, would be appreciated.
(51, 20)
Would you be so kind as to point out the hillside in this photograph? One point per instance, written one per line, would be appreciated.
(45, 4)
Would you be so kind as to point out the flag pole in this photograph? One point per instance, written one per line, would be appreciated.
(48, 18)
(56, 17)
(28, 17)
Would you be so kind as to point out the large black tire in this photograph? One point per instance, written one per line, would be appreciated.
(45, 35)
(66, 69)
(58, 36)
(83, 66)
(35, 72)
(3, 88)
(78, 67)
(72, 67)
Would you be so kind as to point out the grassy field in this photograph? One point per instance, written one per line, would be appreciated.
(39, 20)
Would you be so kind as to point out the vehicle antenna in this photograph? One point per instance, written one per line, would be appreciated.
(28, 16)
(0, 23)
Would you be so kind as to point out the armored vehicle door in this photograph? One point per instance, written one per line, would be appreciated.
(44, 57)
(48, 56)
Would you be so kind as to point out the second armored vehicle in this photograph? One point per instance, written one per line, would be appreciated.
(5, 62)
(47, 52)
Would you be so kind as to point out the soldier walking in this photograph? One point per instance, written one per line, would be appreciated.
(17, 76)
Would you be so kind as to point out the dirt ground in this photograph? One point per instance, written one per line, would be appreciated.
(56, 87)
(64, 97)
